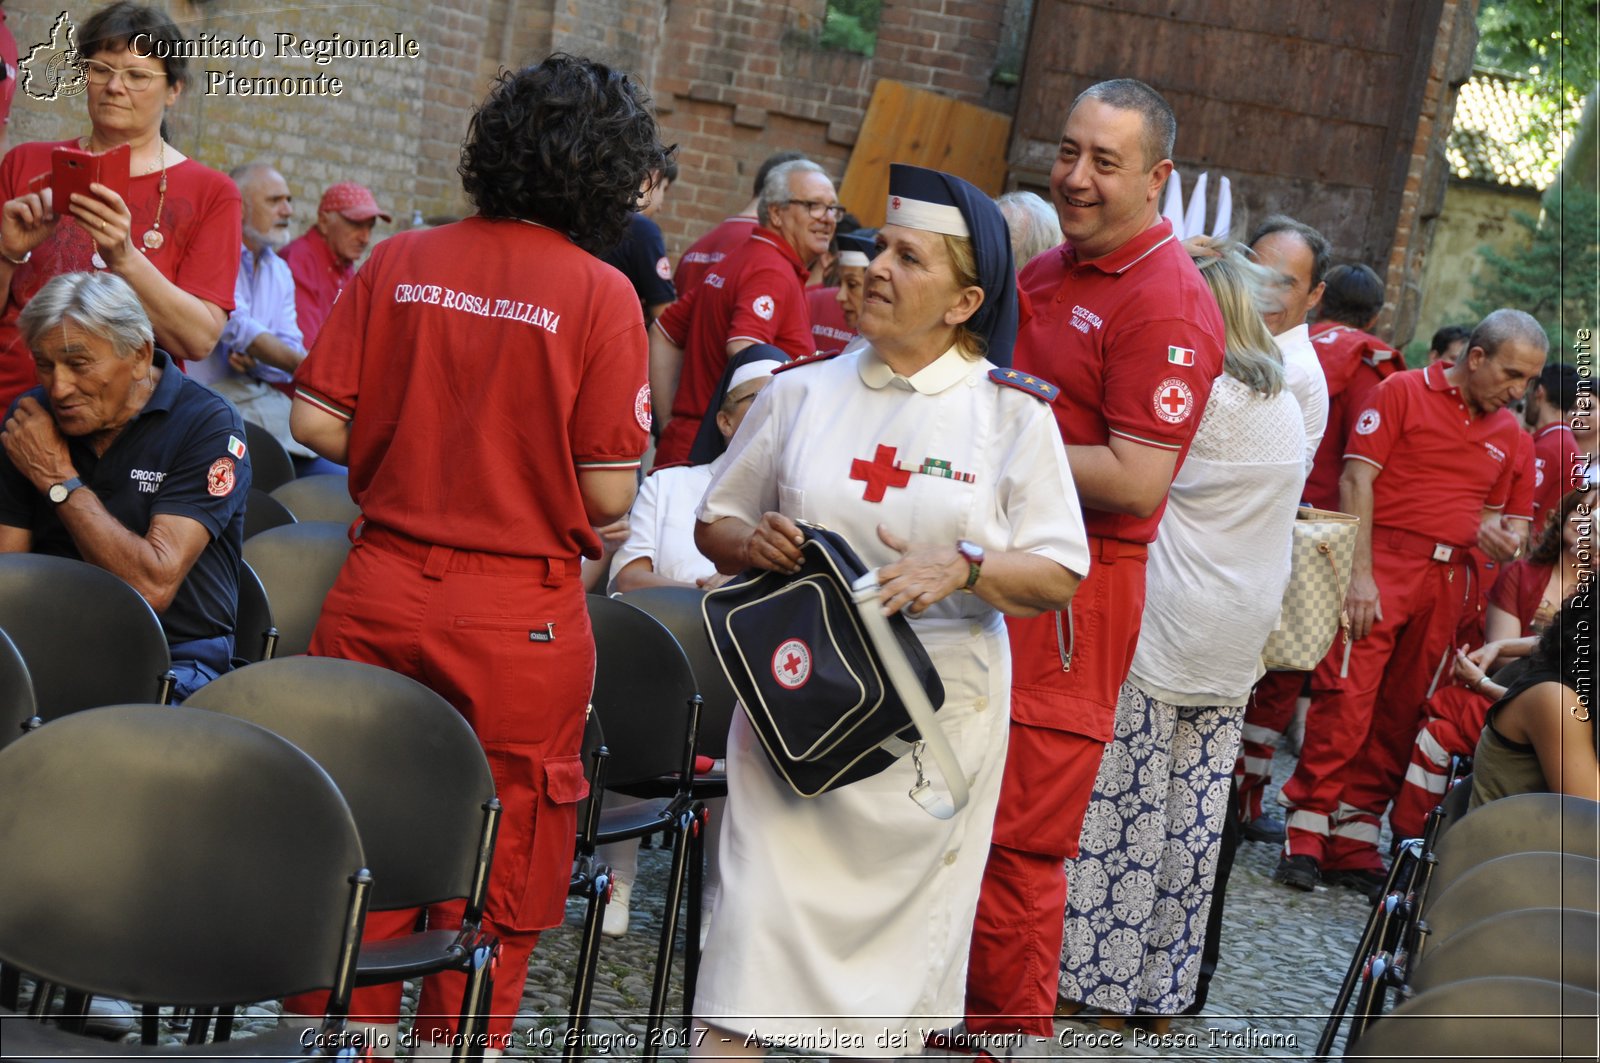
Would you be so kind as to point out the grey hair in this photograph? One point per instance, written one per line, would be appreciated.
(1321, 250)
(101, 304)
(1502, 326)
(1130, 94)
(245, 175)
(1033, 225)
(775, 192)
(1242, 290)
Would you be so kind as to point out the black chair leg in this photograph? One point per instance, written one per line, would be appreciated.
(150, 1025)
(472, 1025)
(588, 963)
(691, 940)
(74, 1011)
(669, 932)
(10, 987)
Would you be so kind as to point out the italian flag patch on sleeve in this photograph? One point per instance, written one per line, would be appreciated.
(1180, 356)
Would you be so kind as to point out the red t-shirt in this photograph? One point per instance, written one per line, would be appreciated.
(829, 333)
(319, 277)
(1440, 467)
(483, 364)
(1354, 362)
(1519, 590)
(757, 294)
(1134, 340)
(1555, 452)
(1519, 502)
(200, 221)
(716, 245)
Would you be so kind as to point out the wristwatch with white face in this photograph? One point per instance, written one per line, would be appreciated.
(972, 554)
(58, 492)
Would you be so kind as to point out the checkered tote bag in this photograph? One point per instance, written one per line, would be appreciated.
(1313, 603)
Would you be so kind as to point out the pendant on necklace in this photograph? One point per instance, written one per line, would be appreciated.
(153, 239)
(97, 261)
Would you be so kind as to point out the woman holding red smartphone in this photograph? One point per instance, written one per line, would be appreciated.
(174, 235)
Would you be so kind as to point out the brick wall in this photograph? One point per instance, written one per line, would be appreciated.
(738, 80)
(1427, 170)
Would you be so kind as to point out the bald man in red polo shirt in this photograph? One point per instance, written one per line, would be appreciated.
(1127, 327)
(1428, 469)
(756, 295)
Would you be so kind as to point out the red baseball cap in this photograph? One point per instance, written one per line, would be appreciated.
(353, 201)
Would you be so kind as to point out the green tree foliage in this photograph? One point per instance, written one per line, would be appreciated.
(1552, 44)
(852, 25)
(1554, 278)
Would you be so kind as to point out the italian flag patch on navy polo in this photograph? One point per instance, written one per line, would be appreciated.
(1180, 356)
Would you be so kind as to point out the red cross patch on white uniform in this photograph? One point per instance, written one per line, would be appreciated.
(1173, 400)
(764, 307)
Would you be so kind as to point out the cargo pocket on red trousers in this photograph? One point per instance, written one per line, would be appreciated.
(533, 856)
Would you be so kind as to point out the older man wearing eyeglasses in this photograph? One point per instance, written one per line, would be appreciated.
(755, 295)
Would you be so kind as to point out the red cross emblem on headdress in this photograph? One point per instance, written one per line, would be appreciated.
(880, 474)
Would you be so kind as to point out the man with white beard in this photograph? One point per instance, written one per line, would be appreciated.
(253, 363)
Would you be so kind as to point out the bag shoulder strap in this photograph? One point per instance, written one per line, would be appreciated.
(915, 699)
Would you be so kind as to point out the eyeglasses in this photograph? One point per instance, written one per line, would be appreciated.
(134, 78)
(818, 209)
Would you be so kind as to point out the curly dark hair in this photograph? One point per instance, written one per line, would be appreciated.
(142, 30)
(567, 143)
(1548, 548)
(1567, 647)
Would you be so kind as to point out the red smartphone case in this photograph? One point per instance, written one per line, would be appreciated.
(74, 171)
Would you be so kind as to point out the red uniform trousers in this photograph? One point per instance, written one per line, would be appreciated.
(460, 622)
(1475, 613)
(1454, 721)
(1360, 728)
(1067, 668)
(1267, 716)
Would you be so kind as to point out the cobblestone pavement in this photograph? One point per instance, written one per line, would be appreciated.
(1284, 953)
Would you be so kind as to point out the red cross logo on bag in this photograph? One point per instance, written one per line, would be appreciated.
(791, 664)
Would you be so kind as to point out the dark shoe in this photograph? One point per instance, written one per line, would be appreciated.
(1297, 872)
(1366, 881)
(1265, 828)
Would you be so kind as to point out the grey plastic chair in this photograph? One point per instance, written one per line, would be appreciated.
(1555, 944)
(325, 496)
(262, 511)
(297, 564)
(270, 464)
(1508, 883)
(1521, 824)
(421, 792)
(87, 637)
(163, 854)
(1485, 1019)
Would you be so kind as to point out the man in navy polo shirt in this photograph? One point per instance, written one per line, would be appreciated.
(119, 459)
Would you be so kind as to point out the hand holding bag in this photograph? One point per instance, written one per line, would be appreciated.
(835, 690)
(1313, 603)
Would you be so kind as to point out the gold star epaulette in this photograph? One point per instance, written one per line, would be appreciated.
(1016, 378)
(807, 359)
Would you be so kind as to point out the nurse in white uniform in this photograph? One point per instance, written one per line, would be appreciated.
(843, 922)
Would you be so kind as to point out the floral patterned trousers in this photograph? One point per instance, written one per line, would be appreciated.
(1139, 892)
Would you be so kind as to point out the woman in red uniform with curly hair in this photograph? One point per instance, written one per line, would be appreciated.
(485, 383)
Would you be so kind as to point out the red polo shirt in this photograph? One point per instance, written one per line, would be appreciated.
(1524, 477)
(716, 245)
(1555, 453)
(1440, 466)
(1134, 340)
(319, 277)
(479, 386)
(757, 294)
(829, 333)
(1354, 363)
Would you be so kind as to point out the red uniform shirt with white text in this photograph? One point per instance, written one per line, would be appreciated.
(492, 447)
